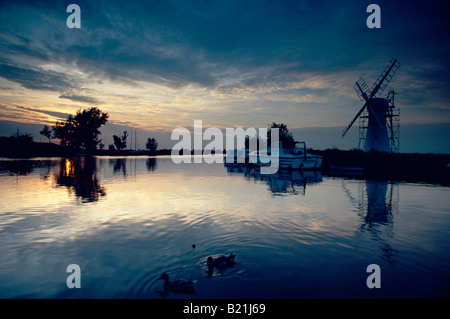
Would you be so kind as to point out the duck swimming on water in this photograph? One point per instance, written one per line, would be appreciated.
(220, 262)
(177, 286)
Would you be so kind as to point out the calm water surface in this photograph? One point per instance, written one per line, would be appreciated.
(125, 221)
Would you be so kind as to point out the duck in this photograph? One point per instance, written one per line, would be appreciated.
(177, 286)
(220, 262)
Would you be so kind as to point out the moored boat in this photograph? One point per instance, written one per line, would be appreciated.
(292, 158)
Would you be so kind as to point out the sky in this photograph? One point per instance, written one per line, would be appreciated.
(154, 66)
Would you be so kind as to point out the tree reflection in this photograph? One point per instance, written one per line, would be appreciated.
(119, 165)
(80, 175)
(26, 167)
(151, 164)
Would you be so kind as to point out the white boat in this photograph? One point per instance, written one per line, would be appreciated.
(295, 158)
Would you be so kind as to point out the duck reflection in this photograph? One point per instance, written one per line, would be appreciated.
(376, 202)
(80, 175)
(283, 182)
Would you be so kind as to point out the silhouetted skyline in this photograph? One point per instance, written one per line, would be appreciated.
(156, 66)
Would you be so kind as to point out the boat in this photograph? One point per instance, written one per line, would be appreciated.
(292, 158)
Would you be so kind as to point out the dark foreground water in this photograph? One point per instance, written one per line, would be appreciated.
(125, 221)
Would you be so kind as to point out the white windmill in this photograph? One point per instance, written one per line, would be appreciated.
(381, 132)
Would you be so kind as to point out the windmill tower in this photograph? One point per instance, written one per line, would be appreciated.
(378, 120)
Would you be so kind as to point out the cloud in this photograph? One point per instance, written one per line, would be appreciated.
(80, 98)
(28, 114)
(177, 44)
(55, 114)
(217, 45)
(229, 62)
(36, 78)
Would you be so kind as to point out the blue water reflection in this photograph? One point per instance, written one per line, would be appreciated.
(127, 220)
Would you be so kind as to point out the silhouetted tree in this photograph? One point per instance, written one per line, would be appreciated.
(124, 139)
(121, 142)
(285, 137)
(118, 142)
(65, 132)
(47, 132)
(250, 140)
(81, 131)
(151, 145)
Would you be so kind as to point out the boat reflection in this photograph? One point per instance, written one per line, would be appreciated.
(284, 182)
(79, 174)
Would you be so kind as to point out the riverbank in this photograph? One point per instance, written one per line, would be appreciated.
(433, 168)
(23, 148)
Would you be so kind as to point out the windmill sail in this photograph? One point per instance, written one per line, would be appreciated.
(354, 119)
(361, 89)
(384, 78)
(377, 137)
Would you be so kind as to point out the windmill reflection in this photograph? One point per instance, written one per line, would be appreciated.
(379, 207)
(80, 175)
(281, 183)
(377, 202)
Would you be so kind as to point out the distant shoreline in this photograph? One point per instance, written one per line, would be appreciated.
(39, 149)
(389, 166)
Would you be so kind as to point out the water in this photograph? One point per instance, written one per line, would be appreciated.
(125, 221)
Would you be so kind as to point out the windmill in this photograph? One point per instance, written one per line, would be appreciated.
(381, 132)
